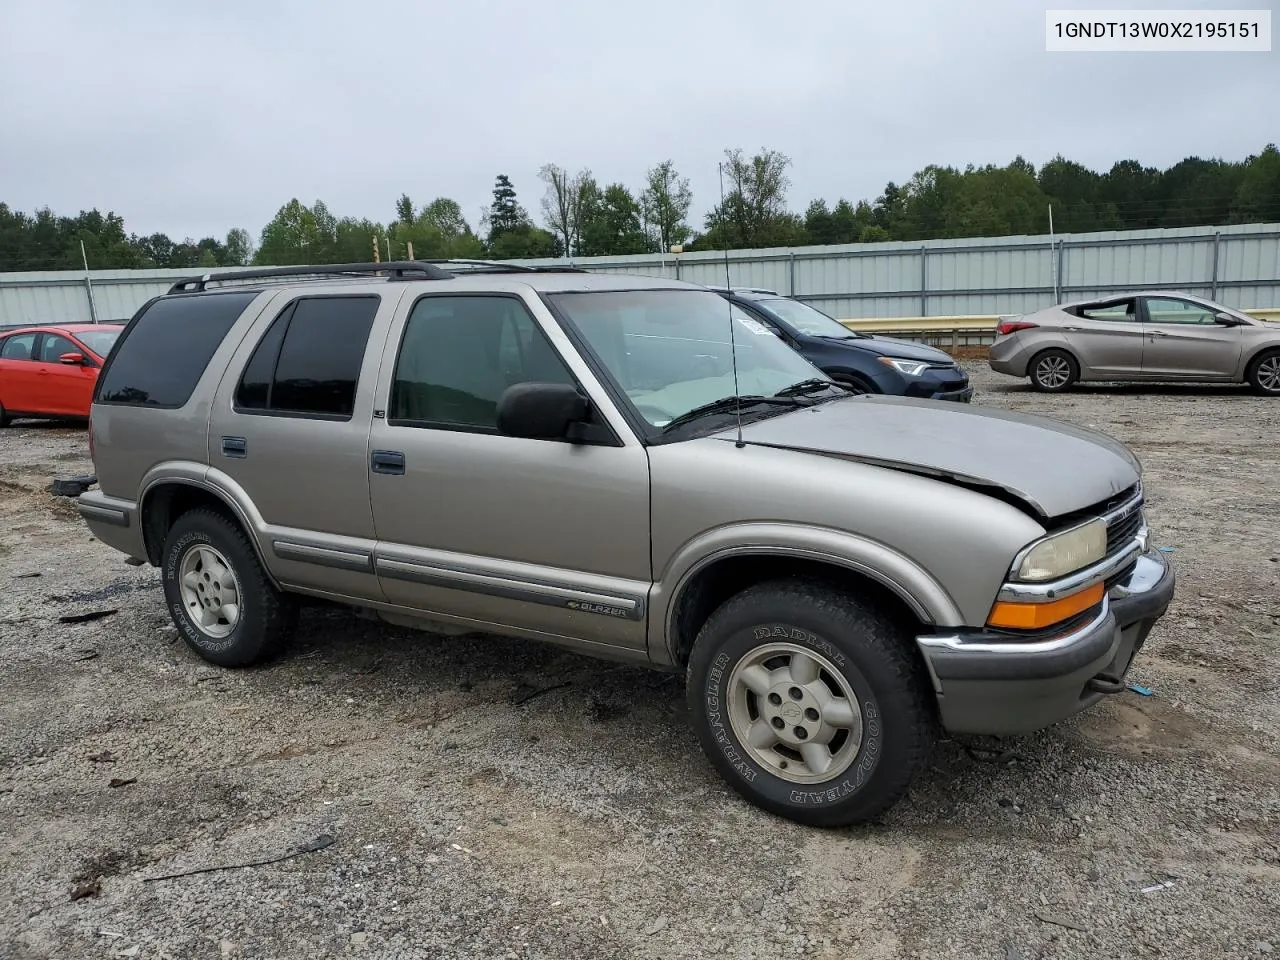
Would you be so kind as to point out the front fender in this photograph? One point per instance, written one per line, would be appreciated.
(922, 593)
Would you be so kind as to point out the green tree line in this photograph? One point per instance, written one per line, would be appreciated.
(583, 216)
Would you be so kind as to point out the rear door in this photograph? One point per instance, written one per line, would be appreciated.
(291, 427)
(64, 389)
(18, 380)
(1106, 337)
(1185, 342)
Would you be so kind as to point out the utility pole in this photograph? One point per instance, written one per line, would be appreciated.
(1053, 257)
(377, 256)
(88, 285)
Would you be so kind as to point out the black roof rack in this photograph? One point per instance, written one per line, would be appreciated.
(498, 266)
(395, 270)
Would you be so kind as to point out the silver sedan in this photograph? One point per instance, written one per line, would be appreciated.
(1161, 336)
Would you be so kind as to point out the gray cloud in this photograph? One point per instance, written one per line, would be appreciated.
(192, 121)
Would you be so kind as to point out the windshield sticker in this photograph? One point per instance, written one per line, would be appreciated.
(755, 326)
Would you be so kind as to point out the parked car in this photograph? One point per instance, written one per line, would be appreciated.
(866, 363)
(1139, 336)
(572, 458)
(48, 372)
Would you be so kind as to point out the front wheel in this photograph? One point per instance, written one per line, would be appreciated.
(810, 703)
(1264, 374)
(857, 386)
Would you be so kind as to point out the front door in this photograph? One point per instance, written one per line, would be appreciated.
(290, 427)
(1107, 338)
(64, 389)
(1185, 342)
(548, 537)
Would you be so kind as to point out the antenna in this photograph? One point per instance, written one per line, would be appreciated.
(733, 344)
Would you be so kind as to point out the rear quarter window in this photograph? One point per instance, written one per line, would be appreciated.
(160, 357)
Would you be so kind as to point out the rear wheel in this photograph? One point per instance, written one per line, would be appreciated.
(1264, 374)
(5, 419)
(810, 703)
(218, 594)
(1053, 371)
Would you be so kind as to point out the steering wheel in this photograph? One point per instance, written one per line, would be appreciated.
(653, 414)
(700, 367)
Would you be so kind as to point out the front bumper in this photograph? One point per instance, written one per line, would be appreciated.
(963, 395)
(934, 387)
(987, 683)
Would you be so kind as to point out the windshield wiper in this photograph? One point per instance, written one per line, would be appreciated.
(813, 385)
(728, 405)
(847, 336)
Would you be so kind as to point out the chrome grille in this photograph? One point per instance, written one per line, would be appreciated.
(1122, 530)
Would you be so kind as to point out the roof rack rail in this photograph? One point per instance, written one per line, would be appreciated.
(395, 270)
(499, 266)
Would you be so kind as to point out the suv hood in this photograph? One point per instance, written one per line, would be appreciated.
(1053, 467)
(902, 349)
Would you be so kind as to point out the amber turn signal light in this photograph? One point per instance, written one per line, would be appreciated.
(1011, 615)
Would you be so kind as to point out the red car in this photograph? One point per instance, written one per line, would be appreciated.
(48, 372)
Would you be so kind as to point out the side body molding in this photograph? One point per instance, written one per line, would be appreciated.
(923, 594)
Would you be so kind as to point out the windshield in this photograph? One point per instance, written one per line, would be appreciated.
(806, 319)
(99, 341)
(669, 350)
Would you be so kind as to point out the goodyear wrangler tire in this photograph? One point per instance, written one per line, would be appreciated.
(218, 595)
(810, 702)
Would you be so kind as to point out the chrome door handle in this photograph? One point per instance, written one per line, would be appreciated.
(1071, 329)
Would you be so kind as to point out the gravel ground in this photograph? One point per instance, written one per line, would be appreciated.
(466, 819)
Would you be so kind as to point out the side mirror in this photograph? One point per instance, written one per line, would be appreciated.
(541, 411)
(1226, 319)
(72, 359)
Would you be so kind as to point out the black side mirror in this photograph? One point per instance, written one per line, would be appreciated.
(1226, 319)
(541, 411)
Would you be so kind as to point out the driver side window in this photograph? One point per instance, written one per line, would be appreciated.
(1170, 310)
(55, 346)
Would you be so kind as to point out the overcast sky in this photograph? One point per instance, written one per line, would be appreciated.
(191, 119)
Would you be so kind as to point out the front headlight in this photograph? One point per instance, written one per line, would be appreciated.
(912, 368)
(1063, 553)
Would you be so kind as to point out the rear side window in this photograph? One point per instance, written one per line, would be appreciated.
(18, 347)
(1122, 311)
(308, 362)
(160, 358)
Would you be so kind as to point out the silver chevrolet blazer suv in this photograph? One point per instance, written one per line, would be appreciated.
(632, 468)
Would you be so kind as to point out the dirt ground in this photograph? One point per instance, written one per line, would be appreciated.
(466, 818)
